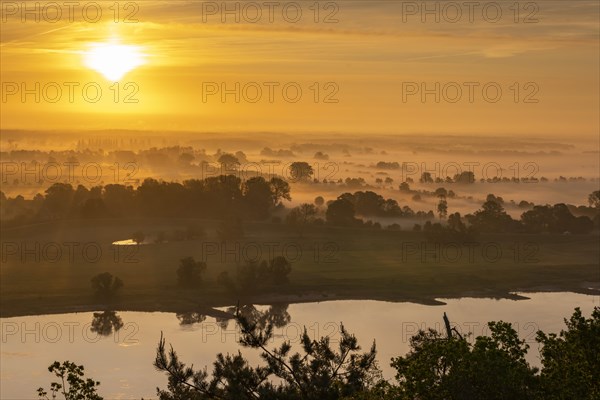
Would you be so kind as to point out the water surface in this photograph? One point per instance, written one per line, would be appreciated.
(122, 361)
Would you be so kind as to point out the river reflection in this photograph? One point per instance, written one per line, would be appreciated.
(118, 348)
(106, 323)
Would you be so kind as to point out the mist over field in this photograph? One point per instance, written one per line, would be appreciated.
(544, 168)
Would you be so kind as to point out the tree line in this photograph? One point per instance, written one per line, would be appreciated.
(227, 197)
(214, 197)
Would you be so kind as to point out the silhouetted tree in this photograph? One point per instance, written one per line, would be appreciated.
(492, 218)
(58, 200)
(279, 269)
(442, 207)
(440, 367)
(555, 219)
(594, 199)
(321, 373)
(228, 162)
(280, 190)
(426, 178)
(301, 171)
(319, 201)
(189, 273)
(340, 212)
(258, 197)
(571, 359)
(72, 384)
(299, 216)
(465, 177)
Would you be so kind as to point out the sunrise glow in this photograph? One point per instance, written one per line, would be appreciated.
(113, 61)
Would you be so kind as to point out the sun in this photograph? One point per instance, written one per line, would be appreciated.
(113, 60)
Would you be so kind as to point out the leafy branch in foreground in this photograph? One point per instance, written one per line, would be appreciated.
(320, 373)
(72, 384)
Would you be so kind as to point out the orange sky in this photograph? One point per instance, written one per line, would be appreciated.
(364, 61)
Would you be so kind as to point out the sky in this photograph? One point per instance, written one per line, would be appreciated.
(354, 67)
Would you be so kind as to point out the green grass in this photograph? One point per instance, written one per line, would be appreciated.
(366, 264)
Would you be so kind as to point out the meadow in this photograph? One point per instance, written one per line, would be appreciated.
(46, 268)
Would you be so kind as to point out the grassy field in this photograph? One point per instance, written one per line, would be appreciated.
(47, 268)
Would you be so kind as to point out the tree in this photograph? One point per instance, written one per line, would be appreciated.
(251, 276)
(228, 161)
(449, 367)
(465, 177)
(369, 203)
(119, 199)
(280, 190)
(594, 199)
(105, 285)
(189, 273)
(254, 275)
(58, 199)
(319, 155)
(299, 216)
(571, 360)
(555, 219)
(258, 196)
(340, 212)
(320, 373)
(72, 385)
(440, 192)
(301, 171)
(279, 269)
(442, 207)
(426, 178)
(455, 222)
(319, 201)
(185, 159)
(497, 199)
(492, 218)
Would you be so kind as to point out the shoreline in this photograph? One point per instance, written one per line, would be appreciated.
(211, 309)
